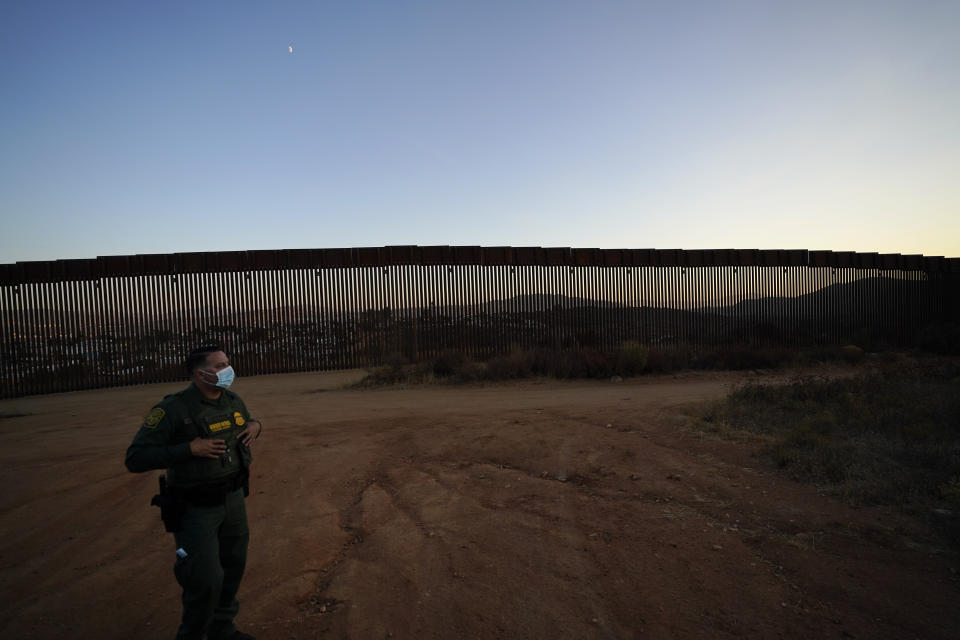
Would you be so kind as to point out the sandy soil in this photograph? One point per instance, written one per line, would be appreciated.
(521, 510)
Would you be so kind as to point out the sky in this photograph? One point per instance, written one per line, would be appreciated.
(165, 126)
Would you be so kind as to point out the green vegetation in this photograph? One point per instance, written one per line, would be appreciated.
(886, 437)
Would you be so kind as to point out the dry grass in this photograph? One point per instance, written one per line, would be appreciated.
(885, 437)
(630, 359)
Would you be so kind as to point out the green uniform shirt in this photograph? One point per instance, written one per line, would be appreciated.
(163, 442)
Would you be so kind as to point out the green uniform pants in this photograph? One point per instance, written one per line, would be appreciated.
(215, 541)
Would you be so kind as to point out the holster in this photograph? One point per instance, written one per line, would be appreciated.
(172, 507)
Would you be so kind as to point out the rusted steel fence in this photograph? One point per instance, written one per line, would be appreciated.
(118, 320)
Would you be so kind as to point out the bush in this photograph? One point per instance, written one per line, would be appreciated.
(396, 360)
(471, 371)
(851, 354)
(940, 338)
(383, 375)
(631, 359)
(886, 437)
(667, 359)
(448, 363)
(517, 364)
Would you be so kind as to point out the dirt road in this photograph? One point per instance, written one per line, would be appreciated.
(521, 510)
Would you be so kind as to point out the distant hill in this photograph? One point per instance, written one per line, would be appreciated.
(872, 295)
(846, 298)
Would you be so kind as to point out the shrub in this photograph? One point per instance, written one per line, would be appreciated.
(667, 359)
(631, 359)
(940, 338)
(740, 357)
(471, 371)
(448, 363)
(886, 437)
(396, 360)
(851, 354)
(516, 364)
(383, 375)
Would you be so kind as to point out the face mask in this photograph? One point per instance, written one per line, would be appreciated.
(225, 377)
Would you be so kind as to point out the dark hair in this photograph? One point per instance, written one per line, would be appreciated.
(198, 357)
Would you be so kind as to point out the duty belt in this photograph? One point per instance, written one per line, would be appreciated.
(211, 495)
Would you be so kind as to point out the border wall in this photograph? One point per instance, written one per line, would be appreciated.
(121, 320)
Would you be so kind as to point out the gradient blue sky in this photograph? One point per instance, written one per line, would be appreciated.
(159, 126)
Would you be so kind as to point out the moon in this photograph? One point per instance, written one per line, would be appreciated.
(290, 49)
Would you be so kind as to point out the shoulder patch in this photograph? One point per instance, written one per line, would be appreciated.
(154, 418)
(238, 418)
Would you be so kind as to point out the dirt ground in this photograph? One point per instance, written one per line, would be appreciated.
(538, 509)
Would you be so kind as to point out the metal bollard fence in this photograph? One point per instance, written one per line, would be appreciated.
(119, 320)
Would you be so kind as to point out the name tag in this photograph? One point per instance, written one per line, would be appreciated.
(220, 426)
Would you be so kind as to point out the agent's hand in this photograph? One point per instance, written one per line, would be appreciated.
(248, 435)
(207, 448)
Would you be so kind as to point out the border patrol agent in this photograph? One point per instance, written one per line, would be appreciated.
(202, 437)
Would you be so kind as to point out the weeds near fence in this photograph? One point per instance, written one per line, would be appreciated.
(631, 359)
(887, 437)
(942, 338)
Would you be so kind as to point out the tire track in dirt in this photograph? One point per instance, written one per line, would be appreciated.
(426, 513)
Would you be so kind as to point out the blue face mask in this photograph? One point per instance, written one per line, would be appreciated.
(225, 377)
